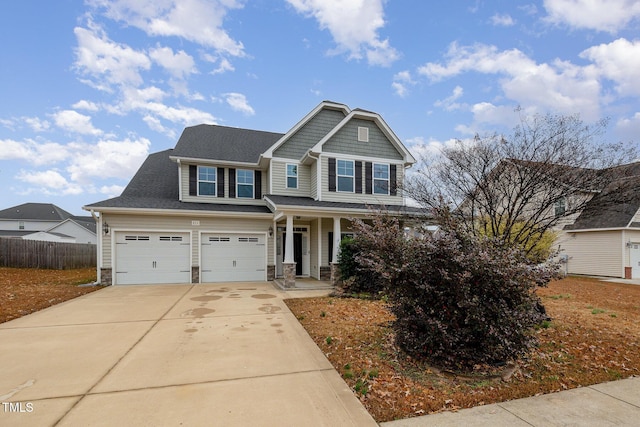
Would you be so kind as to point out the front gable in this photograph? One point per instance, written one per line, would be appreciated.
(346, 141)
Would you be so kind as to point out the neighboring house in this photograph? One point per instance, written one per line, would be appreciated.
(604, 240)
(48, 222)
(229, 204)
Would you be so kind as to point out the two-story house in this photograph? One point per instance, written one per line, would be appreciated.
(229, 204)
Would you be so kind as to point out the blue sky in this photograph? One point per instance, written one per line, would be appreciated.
(90, 88)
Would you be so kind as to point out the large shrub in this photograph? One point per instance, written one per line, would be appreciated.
(357, 278)
(459, 300)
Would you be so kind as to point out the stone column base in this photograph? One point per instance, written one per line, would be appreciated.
(271, 272)
(325, 273)
(335, 274)
(289, 273)
(195, 274)
(106, 277)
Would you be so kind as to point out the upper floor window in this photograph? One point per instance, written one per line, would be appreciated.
(345, 175)
(244, 183)
(292, 176)
(560, 207)
(207, 178)
(363, 134)
(21, 225)
(380, 178)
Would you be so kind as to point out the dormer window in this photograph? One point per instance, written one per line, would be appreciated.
(292, 176)
(363, 134)
(244, 183)
(207, 178)
(560, 207)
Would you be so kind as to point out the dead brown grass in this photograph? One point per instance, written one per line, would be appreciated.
(25, 290)
(594, 337)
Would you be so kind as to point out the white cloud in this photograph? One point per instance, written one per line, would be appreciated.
(49, 182)
(354, 26)
(37, 124)
(238, 102)
(86, 105)
(199, 21)
(401, 83)
(559, 86)
(107, 62)
(107, 159)
(111, 190)
(32, 152)
(178, 64)
(618, 61)
(502, 20)
(628, 128)
(73, 121)
(609, 16)
(449, 103)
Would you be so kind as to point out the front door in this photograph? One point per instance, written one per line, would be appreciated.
(634, 260)
(297, 251)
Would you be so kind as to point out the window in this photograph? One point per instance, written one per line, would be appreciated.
(380, 179)
(244, 183)
(345, 175)
(21, 225)
(560, 206)
(207, 177)
(292, 176)
(363, 134)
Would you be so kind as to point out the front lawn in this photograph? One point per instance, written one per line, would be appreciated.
(594, 336)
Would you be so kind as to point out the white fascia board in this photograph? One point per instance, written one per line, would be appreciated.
(586, 230)
(214, 162)
(304, 121)
(175, 212)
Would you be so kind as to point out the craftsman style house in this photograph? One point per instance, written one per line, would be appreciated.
(229, 204)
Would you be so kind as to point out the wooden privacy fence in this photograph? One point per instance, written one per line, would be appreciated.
(39, 254)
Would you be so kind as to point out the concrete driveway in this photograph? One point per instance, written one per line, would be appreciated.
(214, 355)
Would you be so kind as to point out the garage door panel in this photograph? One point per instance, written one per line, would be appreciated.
(147, 258)
(233, 257)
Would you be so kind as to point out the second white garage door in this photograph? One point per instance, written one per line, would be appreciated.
(231, 257)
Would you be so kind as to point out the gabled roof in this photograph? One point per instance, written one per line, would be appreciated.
(221, 143)
(35, 212)
(377, 119)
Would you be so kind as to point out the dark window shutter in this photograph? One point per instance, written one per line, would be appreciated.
(332, 174)
(358, 172)
(193, 180)
(232, 183)
(368, 177)
(393, 185)
(257, 184)
(220, 182)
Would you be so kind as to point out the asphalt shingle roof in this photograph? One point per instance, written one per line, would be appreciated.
(309, 202)
(35, 211)
(224, 143)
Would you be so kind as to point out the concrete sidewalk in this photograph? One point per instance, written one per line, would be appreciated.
(210, 355)
(615, 403)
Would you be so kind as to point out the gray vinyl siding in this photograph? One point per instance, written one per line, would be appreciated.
(345, 141)
(279, 176)
(184, 170)
(336, 196)
(183, 224)
(309, 135)
(597, 253)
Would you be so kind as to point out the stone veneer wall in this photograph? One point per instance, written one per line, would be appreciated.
(195, 274)
(325, 273)
(289, 273)
(271, 272)
(106, 277)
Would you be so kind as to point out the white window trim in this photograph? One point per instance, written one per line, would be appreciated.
(363, 134)
(215, 183)
(253, 184)
(353, 177)
(373, 178)
(287, 176)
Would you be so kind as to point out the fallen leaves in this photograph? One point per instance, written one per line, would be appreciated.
(577, 349)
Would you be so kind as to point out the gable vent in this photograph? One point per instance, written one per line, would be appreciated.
(363, 134)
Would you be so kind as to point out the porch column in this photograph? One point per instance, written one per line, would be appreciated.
(335, 269)
(289, 265)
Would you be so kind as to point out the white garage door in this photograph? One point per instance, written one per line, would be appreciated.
(233, 257)
(147, 258)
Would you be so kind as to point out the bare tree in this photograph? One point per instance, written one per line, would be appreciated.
(518, 188)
